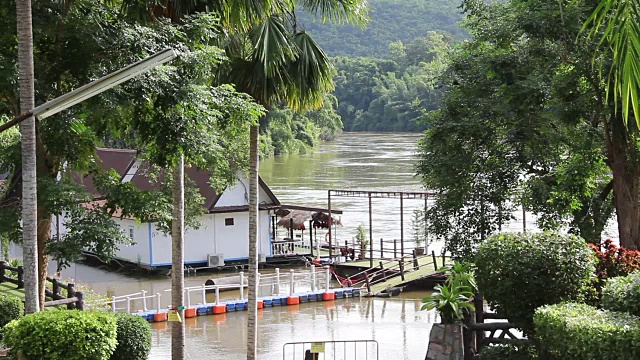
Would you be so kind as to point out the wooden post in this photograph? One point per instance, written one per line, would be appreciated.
(435, 262)
(56, 289)
(71, 292)
(468, 348)
(395, 248)
(80, 302)
(401, 264)
(384, 271)
(366, 280)
(2, 271)
(416, 265)
(370, 234)
(478, 303)
(401, 225)
(381, 248)
(20, 278)
(311, 236)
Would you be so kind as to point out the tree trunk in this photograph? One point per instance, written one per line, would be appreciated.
(177, 259)
(252, 326)
(625, 167)
(28, 137)
(44, 235)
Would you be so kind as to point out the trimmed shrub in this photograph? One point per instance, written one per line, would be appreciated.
(134, 338)
(508, 352)
(622, 294)
(11, 308)
(583, 332)
(63, 335)
(517, 273)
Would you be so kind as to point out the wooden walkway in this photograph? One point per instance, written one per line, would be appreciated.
(392, 273)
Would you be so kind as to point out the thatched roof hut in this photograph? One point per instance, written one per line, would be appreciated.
(299, 219)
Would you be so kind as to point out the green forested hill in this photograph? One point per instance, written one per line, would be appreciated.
(391, 20)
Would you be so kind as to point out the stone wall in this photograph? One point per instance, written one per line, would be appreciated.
(445, 343)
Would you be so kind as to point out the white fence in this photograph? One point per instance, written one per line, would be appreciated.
(277, 283)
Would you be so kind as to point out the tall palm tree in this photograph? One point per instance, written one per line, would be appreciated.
(28, 134)
(616, 22)
(277, 63)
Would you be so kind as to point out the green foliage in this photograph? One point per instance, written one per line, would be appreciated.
(451, 301)
(616, 23)
(518, 273)
(11, 308)
(461, 273)
(508, 352)
(290, 132)
(391, 95)
(622, 294)
(134, 338)
(361, 237)
(579, 331)
(519, 122)
(391, 20)
(418, 228)
(171, 110)
(63, 335)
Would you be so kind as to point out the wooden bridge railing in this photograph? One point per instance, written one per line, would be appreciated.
(475, 330)
(73, 299)
(385, 272)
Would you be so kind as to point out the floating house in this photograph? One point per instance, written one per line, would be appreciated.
(223, 237)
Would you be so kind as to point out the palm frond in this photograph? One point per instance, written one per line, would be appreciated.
(338, 11)
(311, 74)
(272, 45)
(616, 22)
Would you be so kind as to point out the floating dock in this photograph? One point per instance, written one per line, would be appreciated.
(263, 302)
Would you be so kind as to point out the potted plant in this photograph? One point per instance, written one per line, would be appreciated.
(419, 231)
(452, 301)
(361, 241)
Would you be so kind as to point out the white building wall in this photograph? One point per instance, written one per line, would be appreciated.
(238, 194)
(140, 250)
(213, 237)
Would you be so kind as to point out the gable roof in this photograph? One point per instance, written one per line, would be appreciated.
(124, 162)
(118, 159)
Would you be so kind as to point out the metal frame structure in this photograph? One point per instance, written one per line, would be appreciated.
(330, 350)
(377, 195)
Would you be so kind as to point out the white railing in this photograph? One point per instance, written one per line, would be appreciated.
(276, 283)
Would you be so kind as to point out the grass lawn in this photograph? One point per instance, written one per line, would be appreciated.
(11, 289)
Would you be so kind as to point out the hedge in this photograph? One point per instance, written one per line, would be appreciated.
(583, 332)
(622, 294)
(63, 335)
(517, 273)
(134, 338)
(508, 352)
(11, 308)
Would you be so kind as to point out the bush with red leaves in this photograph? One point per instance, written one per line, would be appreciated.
(614, 261)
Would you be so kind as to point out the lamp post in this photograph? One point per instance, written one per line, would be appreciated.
(93, 88)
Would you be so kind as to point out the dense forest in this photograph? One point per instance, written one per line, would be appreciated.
(392, 95)
(391, 20)
(386, 74)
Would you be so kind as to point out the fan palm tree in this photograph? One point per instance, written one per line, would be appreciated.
(28, 135)
(616, 21)
(276, 63)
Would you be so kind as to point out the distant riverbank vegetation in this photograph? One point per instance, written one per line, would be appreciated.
(386, 74)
